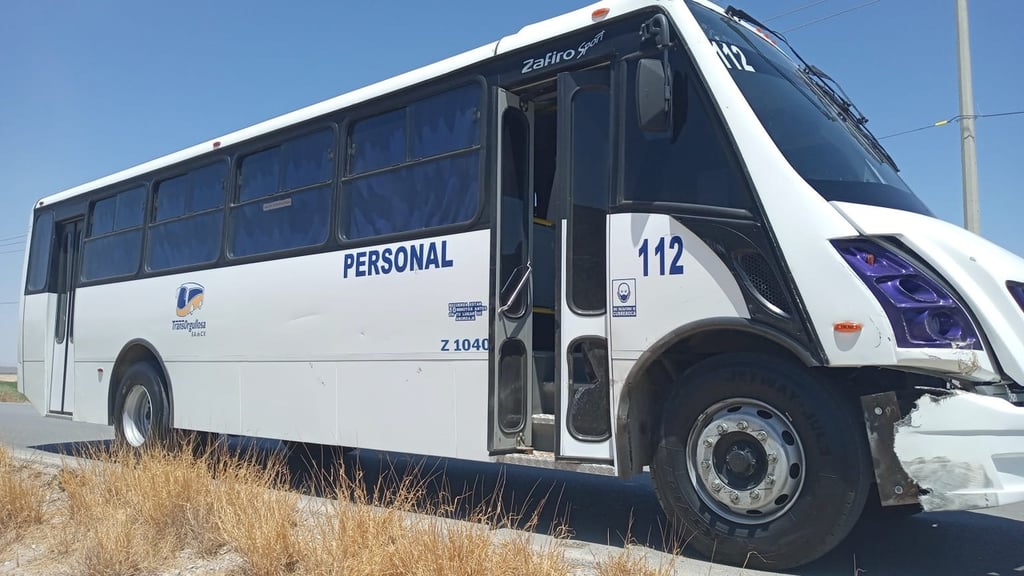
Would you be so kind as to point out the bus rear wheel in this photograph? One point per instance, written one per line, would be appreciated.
(763, 462)
(141, 408)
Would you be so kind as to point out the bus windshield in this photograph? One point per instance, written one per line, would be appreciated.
(818, 139)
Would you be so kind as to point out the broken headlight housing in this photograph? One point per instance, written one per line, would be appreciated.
(923, 313)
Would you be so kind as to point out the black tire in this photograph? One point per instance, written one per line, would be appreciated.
(140, 386)
(836, 467)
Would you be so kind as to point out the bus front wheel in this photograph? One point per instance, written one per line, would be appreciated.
(141, 408)
(765, 463)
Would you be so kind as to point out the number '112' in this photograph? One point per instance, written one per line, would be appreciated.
(675, 247)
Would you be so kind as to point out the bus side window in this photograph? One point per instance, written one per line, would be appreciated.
(113, 247)
(39, 252)
(695, 164)
(398, 182)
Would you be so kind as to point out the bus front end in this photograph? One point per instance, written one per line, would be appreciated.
(889, 347)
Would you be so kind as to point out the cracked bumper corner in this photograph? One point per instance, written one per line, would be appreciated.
(960, 451)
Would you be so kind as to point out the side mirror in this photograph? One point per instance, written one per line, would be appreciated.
(653, 96)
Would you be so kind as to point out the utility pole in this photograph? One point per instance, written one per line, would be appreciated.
(969, 160)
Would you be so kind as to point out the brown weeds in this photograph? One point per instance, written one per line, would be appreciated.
(21, 500)
(137, 513)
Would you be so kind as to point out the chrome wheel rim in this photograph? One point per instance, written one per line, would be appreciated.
(137, 415)
(746, 461)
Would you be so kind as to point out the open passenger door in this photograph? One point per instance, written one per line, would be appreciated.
(583, 187)
(511, 354)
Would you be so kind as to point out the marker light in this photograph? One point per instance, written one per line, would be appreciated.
(922, 313)
(599, 13)
(847, 327)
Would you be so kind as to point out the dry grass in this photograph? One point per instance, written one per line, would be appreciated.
(9, 392)
(125, 513)
(21, 500)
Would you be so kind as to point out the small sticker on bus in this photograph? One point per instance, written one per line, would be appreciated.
(624, 297)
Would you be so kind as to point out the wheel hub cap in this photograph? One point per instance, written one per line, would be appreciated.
(746, 461)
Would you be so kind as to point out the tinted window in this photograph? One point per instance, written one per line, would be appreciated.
(188, 221)
(824, 144)
(185, 241)
(259, 175)
(114, 245)
(426, 181)
(378, 142)
(427, 195)
(171, 198)
(131, 208)
(39, 252)
(112, 255)
(446, 122)
(591, 159)
(294, 214)
(294, 221)
(102, 218)
(694, 165)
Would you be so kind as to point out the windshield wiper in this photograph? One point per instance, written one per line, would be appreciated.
(829, 89)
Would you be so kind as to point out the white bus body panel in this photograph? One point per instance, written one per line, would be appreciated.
(323, 348)
(659, 304)
(37, 347)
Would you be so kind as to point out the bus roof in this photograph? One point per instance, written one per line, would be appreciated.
(529, 34)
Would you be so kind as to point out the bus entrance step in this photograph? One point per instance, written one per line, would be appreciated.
(544, 432)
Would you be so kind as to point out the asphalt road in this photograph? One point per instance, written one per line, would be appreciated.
(601, 510)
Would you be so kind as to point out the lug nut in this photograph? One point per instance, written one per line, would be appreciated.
(716, 486)
(723, 428)
(769, 481)
(772, 458)
(734, 497)
(742, 425)
(708, 442)
(705, 464)
(755, 494)
(761, 436)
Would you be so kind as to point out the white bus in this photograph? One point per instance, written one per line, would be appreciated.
(641, 234)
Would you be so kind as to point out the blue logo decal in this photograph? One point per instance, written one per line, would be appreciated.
(190, 300)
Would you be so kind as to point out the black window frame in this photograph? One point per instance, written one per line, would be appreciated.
(683, 53)
(37, 251)
(402, 101)
(151, 214)
(88, 236)
(279, 140)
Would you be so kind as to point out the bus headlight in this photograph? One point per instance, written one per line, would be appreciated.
(923, 314)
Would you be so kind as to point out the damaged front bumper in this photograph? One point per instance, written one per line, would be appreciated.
(954, 451)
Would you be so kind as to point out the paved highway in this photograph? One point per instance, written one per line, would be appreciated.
(599, 510)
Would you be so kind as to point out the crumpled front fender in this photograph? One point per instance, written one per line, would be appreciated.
(955, 451)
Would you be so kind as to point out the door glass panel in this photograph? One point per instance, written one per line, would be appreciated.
(516, 211)
(591, 162)
(590, 405)
(512, 376)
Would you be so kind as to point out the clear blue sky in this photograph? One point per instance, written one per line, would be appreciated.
(90, 88)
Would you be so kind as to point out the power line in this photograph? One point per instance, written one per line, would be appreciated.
(9, 302)
(956, 118)
(795, 10)
(823, 18)
(14, 237)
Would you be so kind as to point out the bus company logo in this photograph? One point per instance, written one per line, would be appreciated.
(557, 56)
(190, 299)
